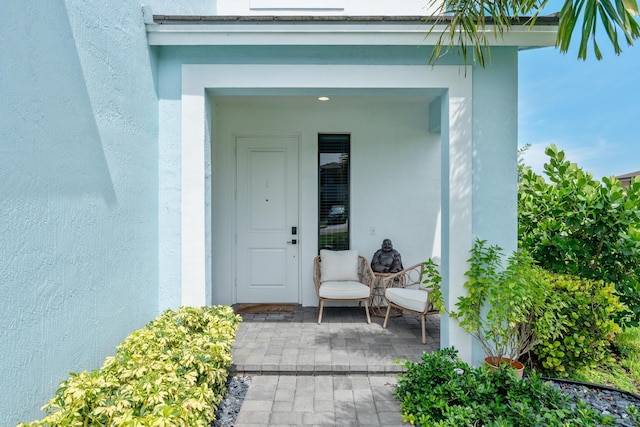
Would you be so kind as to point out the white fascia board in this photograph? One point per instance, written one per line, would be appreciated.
(314, 35)
(296, 4)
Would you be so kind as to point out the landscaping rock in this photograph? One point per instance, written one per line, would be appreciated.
(237, 386)
(606, 401)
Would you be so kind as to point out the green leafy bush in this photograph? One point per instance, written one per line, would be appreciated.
(172, 372)
(577, 326)
(500, 302)
(566, 323)
(577, 225)
(441, 390)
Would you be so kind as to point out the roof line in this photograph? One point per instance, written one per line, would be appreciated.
(194, 19)
(628, 175)
(165, 30)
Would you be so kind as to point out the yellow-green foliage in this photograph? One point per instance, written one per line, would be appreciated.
(172, 372)
(623, 373)
(577, 327)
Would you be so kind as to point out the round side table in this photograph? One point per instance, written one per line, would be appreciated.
(377, 302)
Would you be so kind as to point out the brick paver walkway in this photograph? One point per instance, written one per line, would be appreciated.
(341, 372)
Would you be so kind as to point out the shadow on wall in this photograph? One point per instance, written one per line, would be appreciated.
(51, 144)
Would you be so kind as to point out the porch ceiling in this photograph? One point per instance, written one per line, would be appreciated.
(335, 99)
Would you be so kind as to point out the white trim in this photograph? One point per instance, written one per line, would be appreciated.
(460, 201)
(297, 4)
(193, 227)
(196, 79)
(285, 34)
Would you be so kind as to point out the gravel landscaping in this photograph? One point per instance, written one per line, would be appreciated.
(237, 386)
(605, 400)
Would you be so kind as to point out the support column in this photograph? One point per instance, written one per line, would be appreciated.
(193, 253)
(457, 207)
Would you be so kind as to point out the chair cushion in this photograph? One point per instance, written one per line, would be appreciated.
(344, 290)
(411, 299)
(338, 265)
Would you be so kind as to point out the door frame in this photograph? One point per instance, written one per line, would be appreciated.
(235, 137)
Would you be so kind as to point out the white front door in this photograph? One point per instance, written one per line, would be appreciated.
(267, 220)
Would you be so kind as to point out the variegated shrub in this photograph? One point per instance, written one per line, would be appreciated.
(172, 372)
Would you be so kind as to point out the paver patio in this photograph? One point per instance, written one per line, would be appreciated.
(342, 372)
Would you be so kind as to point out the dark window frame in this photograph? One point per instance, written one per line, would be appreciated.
(334, 190)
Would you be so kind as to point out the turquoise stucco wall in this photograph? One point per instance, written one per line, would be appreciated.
(78, 192)
(494, 133)
(90, 178)
(495, 144)
(169, 92)
(182, 7)
(494, 162)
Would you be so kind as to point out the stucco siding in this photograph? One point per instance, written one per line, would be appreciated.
(78, 192)
(169, 89)
(463, 142)
(182, 7)
(495, 145)
(92, 186)
(170, 84)
(169, 126)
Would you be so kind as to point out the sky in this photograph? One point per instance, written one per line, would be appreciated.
(589, 109)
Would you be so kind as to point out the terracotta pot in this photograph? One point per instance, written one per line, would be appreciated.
(494, 362)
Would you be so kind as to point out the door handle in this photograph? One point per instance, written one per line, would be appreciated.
(293, 242)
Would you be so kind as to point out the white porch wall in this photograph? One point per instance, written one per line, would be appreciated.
(395, 176)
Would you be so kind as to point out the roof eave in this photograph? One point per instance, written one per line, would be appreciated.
(329, 30)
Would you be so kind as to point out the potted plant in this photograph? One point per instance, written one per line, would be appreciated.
(499, 303)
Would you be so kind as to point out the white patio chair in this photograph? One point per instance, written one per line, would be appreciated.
(405, 291)
(342, 276)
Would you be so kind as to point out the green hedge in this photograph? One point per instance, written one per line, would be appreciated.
(441, 390)
(577, 326)
(574, 224)
(172, 372)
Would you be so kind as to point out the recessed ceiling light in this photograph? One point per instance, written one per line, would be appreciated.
(323, 98)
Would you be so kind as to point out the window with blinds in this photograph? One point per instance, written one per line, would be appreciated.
(333, 191)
